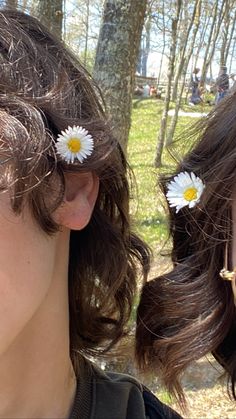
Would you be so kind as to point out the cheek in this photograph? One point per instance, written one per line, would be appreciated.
(26, 268)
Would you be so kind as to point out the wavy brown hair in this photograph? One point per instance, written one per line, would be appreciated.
(190, 311)
(43, 90)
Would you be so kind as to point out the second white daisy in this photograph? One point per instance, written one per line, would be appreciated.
(75, 143)
(184, 190)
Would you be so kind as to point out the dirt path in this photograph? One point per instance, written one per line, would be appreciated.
(206, 392)
(189, 114)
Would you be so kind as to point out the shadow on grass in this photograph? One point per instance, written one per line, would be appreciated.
(137, 103)
(144, 165)
(153, 221)
(156, 170)
(138, 100)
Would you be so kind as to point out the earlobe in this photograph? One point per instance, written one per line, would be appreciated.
(81, 191)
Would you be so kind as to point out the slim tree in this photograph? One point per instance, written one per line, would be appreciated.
(163, 31)
(87, 32)
(214, 31)
(172, 53)
(232, 54)
(12, 4)
(146, 45)
(189, 48)
(203, 34)
(51, 13)
(227, 33)
(116, 58)
(188, 22)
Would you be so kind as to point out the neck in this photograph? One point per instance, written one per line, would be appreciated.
(36, 375)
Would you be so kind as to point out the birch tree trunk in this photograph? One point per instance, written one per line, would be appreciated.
(232, 55)
(209, 40)
(147, 46)
(51, 14)
(87, 32)
(174, 120)
(201, 41)
(225, 33)
(213, 36)
(185, 39)
(11, 4)
(228, 40)
(162, 132)
(164, 42)
(116, 58)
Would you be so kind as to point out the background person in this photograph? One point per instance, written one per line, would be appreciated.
(195, 97)
(222, 84)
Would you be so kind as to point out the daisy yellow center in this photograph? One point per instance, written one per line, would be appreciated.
(74, 145)
(190, 194)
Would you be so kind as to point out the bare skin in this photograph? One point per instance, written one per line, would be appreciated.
(36, 375)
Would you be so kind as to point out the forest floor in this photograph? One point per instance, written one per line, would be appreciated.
(205, 388)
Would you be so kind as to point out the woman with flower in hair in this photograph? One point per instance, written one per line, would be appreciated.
(68, 258)
(189, 312)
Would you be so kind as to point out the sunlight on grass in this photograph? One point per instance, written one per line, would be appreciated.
(164, 396)
(148, 206)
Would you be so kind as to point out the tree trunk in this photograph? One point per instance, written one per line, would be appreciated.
(164, 42)
(209, 40)
(51, 14)
(11, 4)
(229, 41)
(232, 56)
(225, 34)
(213, 36)
(182, 58)
(162, 132)
(86, 33)
(116, 58)
(201, 41)
(214, 41)
(174, 120)
(146, 50)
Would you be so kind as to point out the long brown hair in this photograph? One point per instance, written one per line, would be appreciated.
(190, 311)
(43, 90)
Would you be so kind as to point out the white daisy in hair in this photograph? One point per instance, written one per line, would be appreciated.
(75, 143)
(184, 190)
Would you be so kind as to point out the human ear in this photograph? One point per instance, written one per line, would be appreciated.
(81, 191)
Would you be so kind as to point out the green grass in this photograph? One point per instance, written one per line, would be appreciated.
(164, 396)
(147, 206)
(148, 214)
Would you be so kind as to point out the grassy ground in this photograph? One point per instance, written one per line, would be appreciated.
(147, 209)
(148, 205)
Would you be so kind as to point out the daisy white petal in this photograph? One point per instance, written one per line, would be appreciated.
(75, 143)
(184, 190)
